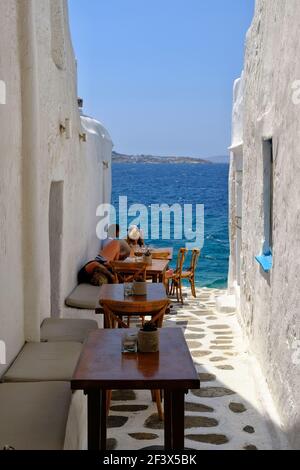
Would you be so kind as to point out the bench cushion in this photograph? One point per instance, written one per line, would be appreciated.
(84, 297)
(62, 329)
(33, 416)
(39, 362)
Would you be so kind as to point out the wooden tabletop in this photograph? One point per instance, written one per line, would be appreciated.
(155, 292)
(158, 266)
(103, 366)
(168, 249)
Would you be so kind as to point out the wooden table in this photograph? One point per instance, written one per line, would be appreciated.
(156, 270)
(168, 249)
(102, 367)
(116, 292)
(155, 303)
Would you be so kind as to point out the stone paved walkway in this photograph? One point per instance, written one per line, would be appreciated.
(228, 412)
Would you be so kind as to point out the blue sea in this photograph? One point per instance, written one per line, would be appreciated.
(184, 184)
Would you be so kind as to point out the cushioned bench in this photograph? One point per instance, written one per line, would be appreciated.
(33, 416)
(42, 362)
(85, 297)
(61, 329)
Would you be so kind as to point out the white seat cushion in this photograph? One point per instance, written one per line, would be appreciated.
(85, 297)
(61, 329)
(33, 416)
(42, 362)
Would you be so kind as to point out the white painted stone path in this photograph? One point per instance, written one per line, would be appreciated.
(219, 350)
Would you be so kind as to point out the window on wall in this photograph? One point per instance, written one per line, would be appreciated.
(265, 259)
(58, 47)
(268, 163)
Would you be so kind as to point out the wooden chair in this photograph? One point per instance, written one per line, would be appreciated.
(114, 311)
(190, 273)
(128, 271)
(175, 277)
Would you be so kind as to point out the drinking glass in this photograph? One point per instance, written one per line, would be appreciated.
(128, 289)
(129, 343)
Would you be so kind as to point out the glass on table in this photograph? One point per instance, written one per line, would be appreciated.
(129, 343)
(128, 289)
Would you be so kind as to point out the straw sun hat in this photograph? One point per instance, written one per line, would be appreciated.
(134, 233)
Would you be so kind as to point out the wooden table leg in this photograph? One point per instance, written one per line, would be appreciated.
(103, 416)
(168, 419)
(93, 397)
(178, 419)
(174, 419)
(96, 419)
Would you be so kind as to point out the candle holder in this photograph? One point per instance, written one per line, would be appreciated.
(148, 338)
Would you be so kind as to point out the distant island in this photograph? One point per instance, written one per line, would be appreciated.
(123, 158)
(224, 159)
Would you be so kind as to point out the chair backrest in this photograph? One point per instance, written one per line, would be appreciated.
(114, 310)
(129, 271)
(180, 260)
(143, 307)
(195, 258)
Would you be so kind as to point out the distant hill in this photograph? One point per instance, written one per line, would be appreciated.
(122, 158)
(219, 159)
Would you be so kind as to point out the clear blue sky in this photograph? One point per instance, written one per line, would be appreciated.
(158, 73)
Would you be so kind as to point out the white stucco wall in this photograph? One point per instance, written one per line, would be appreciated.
(238, 112)
(98, 151)
(235, 186)
(38, 66)
(11, 267)
(270, 303)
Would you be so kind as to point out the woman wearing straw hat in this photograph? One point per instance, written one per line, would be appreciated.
(135, 237)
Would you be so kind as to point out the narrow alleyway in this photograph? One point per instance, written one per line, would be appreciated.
(233, 408)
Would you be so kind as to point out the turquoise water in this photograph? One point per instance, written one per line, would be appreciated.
(184, 184)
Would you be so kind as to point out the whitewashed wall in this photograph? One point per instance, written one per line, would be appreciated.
(236, 189)
(11, 266)
(98, 151)
(38, 66)
(270, 303)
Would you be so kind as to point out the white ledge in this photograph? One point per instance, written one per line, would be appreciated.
(238, 146)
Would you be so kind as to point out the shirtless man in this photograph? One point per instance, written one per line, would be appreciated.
(112, 249)
(95, 272)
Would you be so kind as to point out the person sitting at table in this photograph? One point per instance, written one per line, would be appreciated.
(113, 249)
(135, 238)
(98, 271)
(113, 233)
(96, 274)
